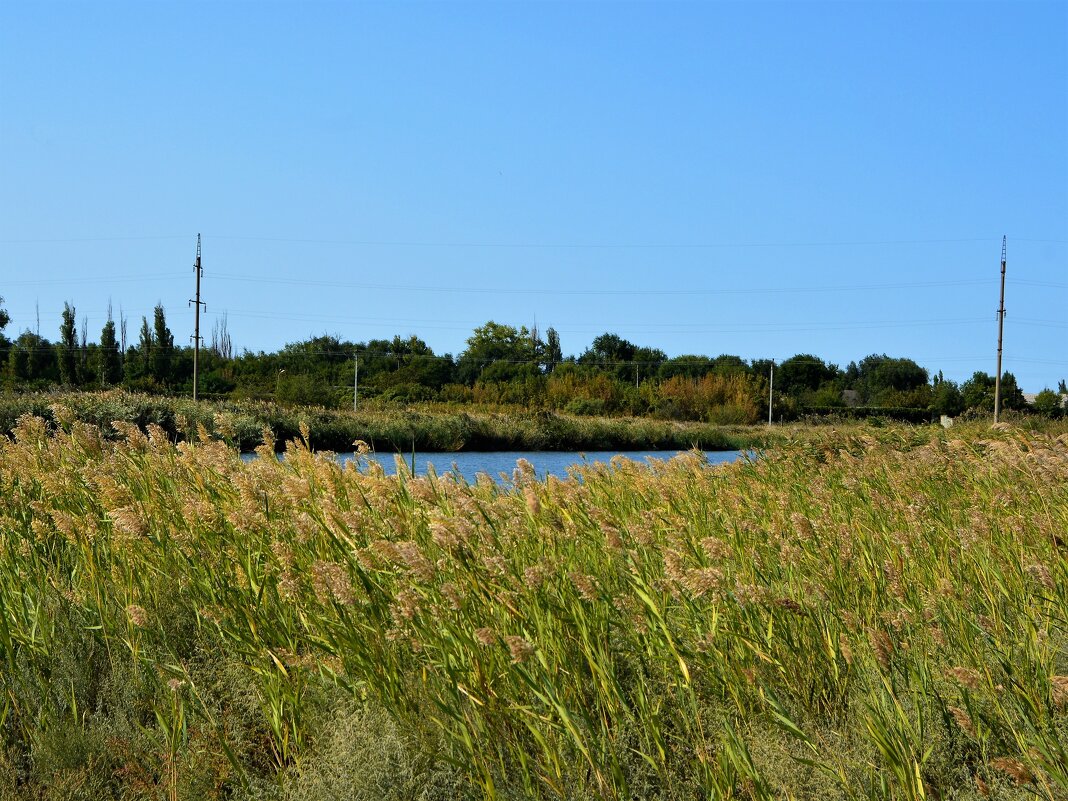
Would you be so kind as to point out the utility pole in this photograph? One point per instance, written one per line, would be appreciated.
(356, 381)
(771, 390)
(196, 329)
(1001, 325)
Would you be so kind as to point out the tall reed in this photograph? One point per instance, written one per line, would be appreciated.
(871, 614)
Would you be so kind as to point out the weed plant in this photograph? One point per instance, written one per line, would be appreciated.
(874, 614)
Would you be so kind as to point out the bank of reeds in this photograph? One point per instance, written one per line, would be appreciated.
(881, 614)
(386, 429)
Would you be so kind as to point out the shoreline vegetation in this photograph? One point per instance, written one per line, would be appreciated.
(504, 366)
(427, 427)
(867, 613)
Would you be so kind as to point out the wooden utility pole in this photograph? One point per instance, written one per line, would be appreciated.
(355, 381)
(1001, 326)
(196, 325)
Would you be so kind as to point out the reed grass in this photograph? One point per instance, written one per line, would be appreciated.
(880, 613)
(429, 427)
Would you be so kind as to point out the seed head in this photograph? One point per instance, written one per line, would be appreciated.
(534, 576)
(883, 647)
(412, 556)
(533, 502)
(137, 614)
(1014, 768)
(963, 719)
(585, 585)
(967, 677)
(444, 537)
(519, 648)
(406, 605)
(703, 581)
(716, 549)
(452, 595)
(1060, 691)
(331, 580)
(1041, 574)
(845, 649)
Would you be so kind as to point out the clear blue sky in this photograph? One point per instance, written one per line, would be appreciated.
(675, 173)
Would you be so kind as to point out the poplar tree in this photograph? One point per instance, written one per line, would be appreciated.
(68, 347)
(4, 320)
(110, 366)
(163, 352)
(553, 354)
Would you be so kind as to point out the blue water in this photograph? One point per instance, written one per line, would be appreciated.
(555, 463)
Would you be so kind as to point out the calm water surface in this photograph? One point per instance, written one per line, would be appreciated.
(556, 463)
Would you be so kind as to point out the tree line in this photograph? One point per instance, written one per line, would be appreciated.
(502, 364)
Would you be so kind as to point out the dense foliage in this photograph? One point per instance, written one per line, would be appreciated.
(879, 614)
(501, 364)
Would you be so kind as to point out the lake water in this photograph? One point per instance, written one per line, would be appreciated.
(556, 463)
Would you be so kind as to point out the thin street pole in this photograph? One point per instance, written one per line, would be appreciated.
(196, 325)
(356, 381)
(1001, 326)
(771, 390)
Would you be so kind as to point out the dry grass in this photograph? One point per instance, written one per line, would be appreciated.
(875, 614)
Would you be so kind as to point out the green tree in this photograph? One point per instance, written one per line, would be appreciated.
(493, 343)
(138, 358)
(110, 365)
(607, 349)
(978, 392)
(32, 360)
(1012, 396)
(301, 389)
(4, 342)
(946, 398)
(624, 360)
(803, 372)
(881, 380)
(552, 355)
(1048, 403)
(68, 347)
(728, 364)
(690, 366)
(647, 361)
(162, 358)
(18, 360)
(404, 369)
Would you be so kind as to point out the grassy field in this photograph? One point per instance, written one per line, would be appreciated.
(430, 427)
(879, 613)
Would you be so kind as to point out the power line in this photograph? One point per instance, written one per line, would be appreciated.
(110, 279)
(76, 239)
(599, 245)
(604, 292)
(422, 243)
(1025, 282)
(632, 328)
